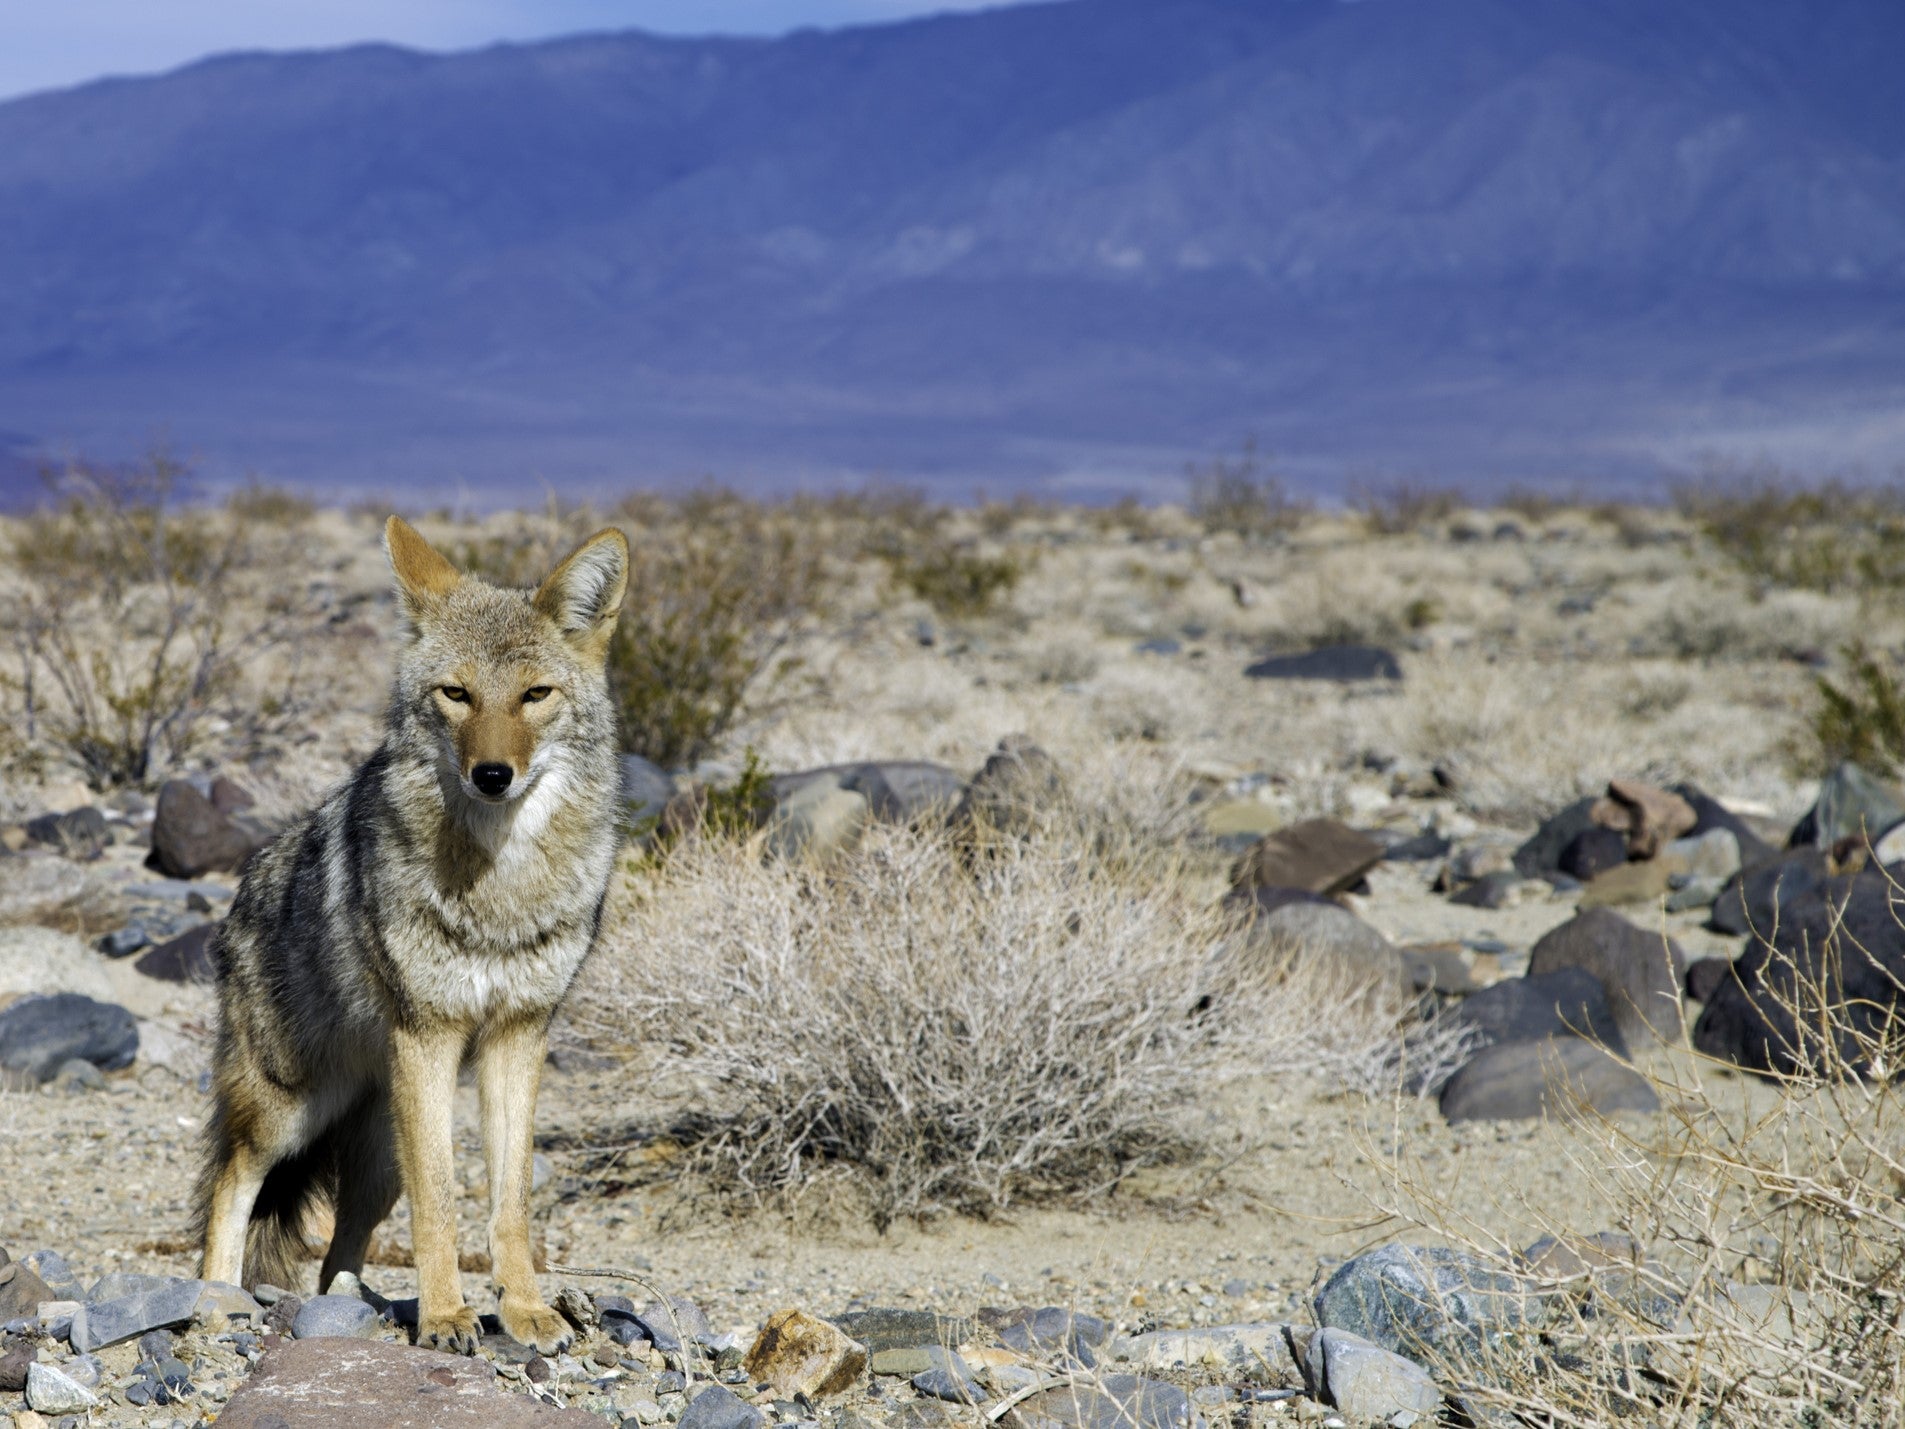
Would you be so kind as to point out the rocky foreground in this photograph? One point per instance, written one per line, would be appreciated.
(1391, 1334)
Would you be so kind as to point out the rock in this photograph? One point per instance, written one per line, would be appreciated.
(1755, 897)
(1593, 852)
(13, 1367)
(1014, 792)
(801, 1355)
(1332, 662)
(1429, 1303)
(1421, 848)
(893, 1329)
(38, 1034)
(660, 1322)
(125, 942)
(952, 1382)
(1890, 849)
(1710, 814)
(1237, 824)
(1119, 1401)
(78, 1075)
(50, 1392)
(646, 790)
(1640, 971)
(904, 791)
(1567, 1003)
(1494, 890)
(58, 1276)
(575, 1306)
(1051, 1330)
(371, 1384)
(1440, 967)
(1644, 882)
(79, 833)
(1695, 893)
(817, 822)
(1320, 932)
(186, 958)
(1705, 976)
(717, 1408)
(1852, 802)
(1836, 957)
(1651, 818)
(1713, 854)
(223, 1307)
(1319, 856)
(1366, 1381)
(1252, 1354)
(21, 1292)
(1605, 1268)
(190, 836)
(229, 797)
(1559, 1076)
(106, 1321)
(1541, 854)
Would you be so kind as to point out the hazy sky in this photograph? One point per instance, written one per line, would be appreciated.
(47, 43)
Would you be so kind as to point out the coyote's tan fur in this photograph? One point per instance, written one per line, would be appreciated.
(433, 910)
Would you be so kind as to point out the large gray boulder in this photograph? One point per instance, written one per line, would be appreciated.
(1640, 971)
(1559, 1076)
(38, 1034)
(1429, 1303)
(1365, 1381)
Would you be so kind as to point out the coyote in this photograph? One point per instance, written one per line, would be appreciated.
(433, 910)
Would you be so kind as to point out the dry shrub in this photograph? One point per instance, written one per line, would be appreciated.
(1395, 508)
(932, 1030)
(132, 620)
(1829, 536)
(719, 586)
(1761, 1278)
(1244, 496)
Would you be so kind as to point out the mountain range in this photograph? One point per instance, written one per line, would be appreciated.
(1063, 247)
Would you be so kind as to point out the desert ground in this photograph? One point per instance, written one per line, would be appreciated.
(1541, 649)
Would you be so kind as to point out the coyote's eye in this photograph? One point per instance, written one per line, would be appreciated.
(455, 693)
(535, 694)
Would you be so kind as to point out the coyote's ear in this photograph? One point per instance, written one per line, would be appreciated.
(422, 573)
(583, 594)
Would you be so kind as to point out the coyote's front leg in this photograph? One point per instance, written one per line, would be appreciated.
(508, 1071)
(424, 1064)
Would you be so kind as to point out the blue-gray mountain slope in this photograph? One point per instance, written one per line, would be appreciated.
(1471, 236)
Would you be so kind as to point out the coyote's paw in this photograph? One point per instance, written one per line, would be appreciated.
(456, 1332)
(534, 1325)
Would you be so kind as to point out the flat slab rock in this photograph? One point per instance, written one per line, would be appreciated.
(367, 1384)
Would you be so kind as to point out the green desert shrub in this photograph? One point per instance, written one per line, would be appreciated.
(1862, 719)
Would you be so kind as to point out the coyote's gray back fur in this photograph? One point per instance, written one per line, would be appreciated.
(409, 901)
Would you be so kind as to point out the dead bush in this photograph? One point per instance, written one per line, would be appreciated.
(1244, 496)
(133, 619)
(934, 1033)
(1395, 508)
(719, 586)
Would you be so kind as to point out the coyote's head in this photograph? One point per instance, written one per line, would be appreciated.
(506, 681)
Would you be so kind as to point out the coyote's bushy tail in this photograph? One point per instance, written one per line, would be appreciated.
(275, 1247)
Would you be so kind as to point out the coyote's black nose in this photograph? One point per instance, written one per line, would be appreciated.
(491, 779)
